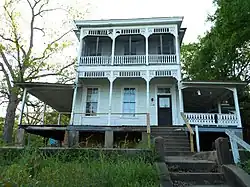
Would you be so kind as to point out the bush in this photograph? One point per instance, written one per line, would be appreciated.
(31, 168)
(246, 166)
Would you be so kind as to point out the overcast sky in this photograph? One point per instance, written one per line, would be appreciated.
(194, 11)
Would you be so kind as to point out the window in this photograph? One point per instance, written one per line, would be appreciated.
(129, 101)
(130, 46)
(166, 45)
(93, 47)
(91, 101)
(163, 90)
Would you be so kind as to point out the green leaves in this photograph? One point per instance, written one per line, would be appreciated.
(223, 53)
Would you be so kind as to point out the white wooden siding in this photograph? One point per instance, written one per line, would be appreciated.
(119, 84)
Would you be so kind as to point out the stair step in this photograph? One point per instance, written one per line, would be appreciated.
(197, 178)
(191, 165)
(178, 153)
(177, 143)
(176, 148)
(219, 185)
(163, 135)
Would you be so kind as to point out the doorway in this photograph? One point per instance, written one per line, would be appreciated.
(164, 108)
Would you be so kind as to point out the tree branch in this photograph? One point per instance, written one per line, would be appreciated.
(51, 74)
(6, 76)
(7, 64)
(51, 43)
(6, 39)
(40, 29)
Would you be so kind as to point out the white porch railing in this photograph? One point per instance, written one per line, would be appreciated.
(116, 119)
(212, 119)
(129, 59)
(95, 60)
(234, 141)
(161, 59)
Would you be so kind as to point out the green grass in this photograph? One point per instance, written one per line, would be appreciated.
(246, 166)
(32, 168)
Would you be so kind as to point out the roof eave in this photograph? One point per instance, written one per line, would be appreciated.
(128, 22)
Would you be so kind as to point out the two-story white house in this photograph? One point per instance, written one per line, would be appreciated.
(128, 68)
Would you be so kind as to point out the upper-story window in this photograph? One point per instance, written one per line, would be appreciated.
(130, 45)
(97, 46)
(161, 44)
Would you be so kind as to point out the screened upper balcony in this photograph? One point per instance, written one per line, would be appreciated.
(129, 50)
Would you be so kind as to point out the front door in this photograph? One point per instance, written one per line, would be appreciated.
(164, 110)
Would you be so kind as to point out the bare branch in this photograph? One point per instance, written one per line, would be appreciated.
(46, 10)
(6, 76)
(51, 43)
(40, 29)
(51, 74)
(7, 64)
(6, 39)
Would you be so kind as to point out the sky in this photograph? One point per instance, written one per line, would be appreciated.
(194, 11)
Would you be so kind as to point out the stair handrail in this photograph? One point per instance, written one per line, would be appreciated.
(191, 132)
(234, 141)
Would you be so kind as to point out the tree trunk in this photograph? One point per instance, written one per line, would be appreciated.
(10, 118)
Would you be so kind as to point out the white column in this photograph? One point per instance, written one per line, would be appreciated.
(177, 48)
(113, 48)
(237, 107)
(22, 106)
(110, 98)
(73, 101)
(180, 102)
(43, 115)
(146, 38)
(59, 118)
(147, 91)
(197, 138)
(219, 107)
(76, 80)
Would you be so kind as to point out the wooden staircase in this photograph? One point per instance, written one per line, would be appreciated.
(176, 141)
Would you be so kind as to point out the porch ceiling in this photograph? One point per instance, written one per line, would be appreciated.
(207, 98)
(58, 96)
(214, 84)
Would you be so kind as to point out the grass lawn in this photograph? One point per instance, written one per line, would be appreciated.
(35, 169)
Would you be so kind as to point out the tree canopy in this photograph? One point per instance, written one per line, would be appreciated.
(224, 52)
(28, 48)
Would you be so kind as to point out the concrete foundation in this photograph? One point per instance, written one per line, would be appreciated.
(144, 137)
(20, 137)
(109, 139)
(73, 138)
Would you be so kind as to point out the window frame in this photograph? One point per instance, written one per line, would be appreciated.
(122, 101)
(98, 101)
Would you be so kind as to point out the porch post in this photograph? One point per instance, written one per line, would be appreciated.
(113, 47)
(74, 100)
(59, 118)
(180, 102)
(146, 38)
(111, 80)
(147, 85)
(177, 47)
(22, 107)
(219, 107)
(76, 80)
(44, 110)
(237, 108)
